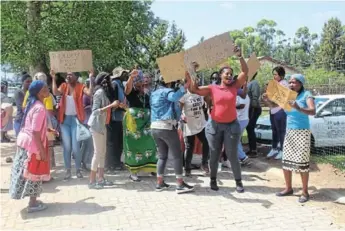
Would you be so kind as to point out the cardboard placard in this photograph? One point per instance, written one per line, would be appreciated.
(211, 52)
(280, 95)
(253, 66)
(172, 67)
(71, 61)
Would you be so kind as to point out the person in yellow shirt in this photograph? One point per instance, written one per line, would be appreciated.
(49, 104)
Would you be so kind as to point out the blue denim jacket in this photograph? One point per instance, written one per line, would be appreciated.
(164, 103)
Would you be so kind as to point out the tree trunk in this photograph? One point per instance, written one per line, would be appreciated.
(36, 51)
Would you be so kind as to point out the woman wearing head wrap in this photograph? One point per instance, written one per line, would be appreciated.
(31, 164)
(101, 113)
(70, 110)
(49, 104)
(223, 127)
(139, 147)
(296, 151)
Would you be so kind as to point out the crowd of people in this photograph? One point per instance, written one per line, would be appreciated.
(147, 122)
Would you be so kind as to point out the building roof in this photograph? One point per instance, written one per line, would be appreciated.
(278, 62)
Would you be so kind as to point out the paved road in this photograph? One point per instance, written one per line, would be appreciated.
(136, 206)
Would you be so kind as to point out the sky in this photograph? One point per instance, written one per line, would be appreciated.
(210, 18)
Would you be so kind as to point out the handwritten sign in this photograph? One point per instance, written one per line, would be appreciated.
(172, 67)
(253, 66)
(211, 52)
(280, 95)
(71, 61)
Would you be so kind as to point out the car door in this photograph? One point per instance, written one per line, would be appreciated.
(328, 126)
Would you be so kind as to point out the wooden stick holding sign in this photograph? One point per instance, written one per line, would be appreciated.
(253, 66)
(280, 95)
(71, 61)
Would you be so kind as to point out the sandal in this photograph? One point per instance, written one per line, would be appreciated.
(39, 207)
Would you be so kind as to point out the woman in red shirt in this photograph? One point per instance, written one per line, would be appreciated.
(223, 126)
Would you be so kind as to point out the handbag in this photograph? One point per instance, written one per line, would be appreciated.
(83, 132)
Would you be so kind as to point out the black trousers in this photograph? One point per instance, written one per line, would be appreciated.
(254, 114)
(114, 144)
(189, 148)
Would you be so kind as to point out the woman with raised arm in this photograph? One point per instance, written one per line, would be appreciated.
(71, 109)
(296, 151)
(223, 127)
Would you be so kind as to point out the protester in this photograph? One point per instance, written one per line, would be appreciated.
(194, 122)
(296, 151)
(254, 114)
(31, 164)
(101, 115)
(49, 104)
(6, 113)
(19, 98)
(70, 110)
(164, 131)
(277, 117)
(223, 127)
(139, 146)
(86, 148)
(115, 127)
(242, 109)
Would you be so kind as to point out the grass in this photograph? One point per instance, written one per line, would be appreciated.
(337, 160)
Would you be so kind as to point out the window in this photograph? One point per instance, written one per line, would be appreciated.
(336, 107)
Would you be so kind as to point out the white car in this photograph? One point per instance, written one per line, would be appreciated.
(327, 126)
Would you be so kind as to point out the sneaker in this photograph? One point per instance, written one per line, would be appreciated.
(220, 167)
(184, 188)
(226, 164)
(134, 178)
(79, 175)
(162, 186)
(188, 173)
(68, 175)
(95, 186)
(272, 153)
(205, 169)
(213, 185)
(279, 156)
(105, 182)
(239, 187)
(245, 161)
(38, 207)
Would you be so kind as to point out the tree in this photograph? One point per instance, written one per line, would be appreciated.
(332, 45)
(202, 39)
(110, 29)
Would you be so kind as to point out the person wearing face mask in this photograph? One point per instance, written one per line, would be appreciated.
(71, 109)
(296, 151)
(277, 117)
(164, 118)
(139, 147)
(223, 127)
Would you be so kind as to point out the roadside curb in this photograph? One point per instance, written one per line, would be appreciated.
(264, 166)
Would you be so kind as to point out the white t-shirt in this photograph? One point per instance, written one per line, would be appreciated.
(243, 114)
(274, 110)
(194, 114)
(70, 106)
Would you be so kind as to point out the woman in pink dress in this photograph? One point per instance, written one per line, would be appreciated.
(32, 163)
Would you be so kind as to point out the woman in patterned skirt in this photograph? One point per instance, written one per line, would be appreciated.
(138, 144)
(32, 162)
(296, 151)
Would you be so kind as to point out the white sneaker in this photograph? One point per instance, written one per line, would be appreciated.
(272, 153)
(279, 156)
(226, 164)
